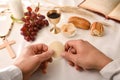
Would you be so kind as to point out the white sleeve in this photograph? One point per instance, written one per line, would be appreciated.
(112, 70)
(11, 73)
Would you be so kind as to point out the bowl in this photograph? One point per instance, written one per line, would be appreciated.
(68, 30)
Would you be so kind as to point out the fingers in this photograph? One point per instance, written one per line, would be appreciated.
(39, 48)
(78, 68)
(71, 63)
(73, 44)
(50, 60)
(71, 50)
(44, 47)
(43, 67)
(45, 55)
(69, 56)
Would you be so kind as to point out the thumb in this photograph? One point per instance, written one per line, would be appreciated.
(69, 56)
(45, 55)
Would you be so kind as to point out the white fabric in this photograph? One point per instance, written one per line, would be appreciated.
(59, 69)
(112, 70)
(11, 73)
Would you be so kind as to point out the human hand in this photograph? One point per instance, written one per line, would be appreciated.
(33, 57)
(83, 55)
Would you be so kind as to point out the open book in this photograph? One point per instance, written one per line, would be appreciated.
(109, 8)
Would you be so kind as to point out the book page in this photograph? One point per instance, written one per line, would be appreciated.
(101, 6)
(115, 14)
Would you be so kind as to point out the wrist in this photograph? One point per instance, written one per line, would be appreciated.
(103, 63)
(24, 74)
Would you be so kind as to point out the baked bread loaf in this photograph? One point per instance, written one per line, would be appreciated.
(80, 22)
(97, 29)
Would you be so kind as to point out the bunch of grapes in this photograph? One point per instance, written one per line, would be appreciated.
(33, 22)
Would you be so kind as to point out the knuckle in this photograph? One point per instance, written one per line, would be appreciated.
(80, 41)
(76, 61)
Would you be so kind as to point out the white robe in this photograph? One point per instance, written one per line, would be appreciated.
(11, 73)
(112, 70)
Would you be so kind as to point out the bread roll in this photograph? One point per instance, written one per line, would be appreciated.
(80, 22)
(97, 29)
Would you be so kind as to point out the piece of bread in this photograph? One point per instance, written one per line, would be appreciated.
(80, 22)
(68, 30)
(58, 48)
(97, 29)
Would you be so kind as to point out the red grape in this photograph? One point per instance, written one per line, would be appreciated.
(29, 9)
(33, 22)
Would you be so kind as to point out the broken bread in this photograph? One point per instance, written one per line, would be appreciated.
(68, 30)
(97, 29)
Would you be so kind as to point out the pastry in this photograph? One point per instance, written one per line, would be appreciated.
(80, 22)
(97, 29)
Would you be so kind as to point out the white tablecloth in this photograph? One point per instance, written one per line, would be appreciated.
(59, 69)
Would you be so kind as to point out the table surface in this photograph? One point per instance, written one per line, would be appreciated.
(59, 69)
